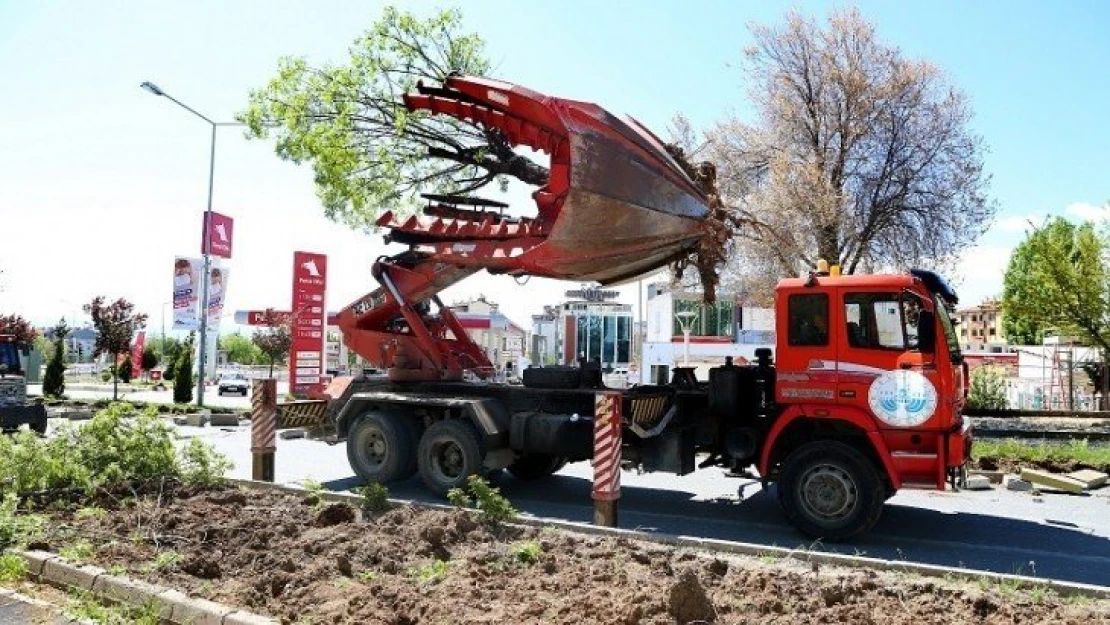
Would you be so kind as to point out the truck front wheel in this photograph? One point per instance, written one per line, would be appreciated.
(830, 490)
(450, 452)
(381, 448)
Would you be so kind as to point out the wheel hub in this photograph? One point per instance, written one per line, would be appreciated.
(448, 458)
(375, 447)
(829, 492)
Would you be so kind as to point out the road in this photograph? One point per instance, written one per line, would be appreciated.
(211, 398)
(1065, 537)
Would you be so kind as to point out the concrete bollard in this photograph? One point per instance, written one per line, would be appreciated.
(263, 429)
(607, 458)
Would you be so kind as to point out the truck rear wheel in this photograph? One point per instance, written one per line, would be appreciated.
(450, 452)
(536, 466)
(382, 448)
(830, 490)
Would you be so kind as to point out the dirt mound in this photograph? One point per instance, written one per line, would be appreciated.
(270, 553)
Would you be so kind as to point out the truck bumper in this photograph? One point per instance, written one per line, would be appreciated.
(11, 417)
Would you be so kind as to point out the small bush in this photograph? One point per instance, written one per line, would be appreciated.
(988, 388)
(12, 568)
(17, 529)
(458, 497)
(527, 553)
(492, 506)
(79, 552)
(164, 561)
(105, 376)
(375, 497)
(202, 465)
(183, 379)
(433, 572)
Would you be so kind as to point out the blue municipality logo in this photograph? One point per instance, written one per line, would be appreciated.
(903, 398)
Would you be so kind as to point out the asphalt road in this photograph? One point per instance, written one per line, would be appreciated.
(211, 398)
(1059, 536)
(17, 610)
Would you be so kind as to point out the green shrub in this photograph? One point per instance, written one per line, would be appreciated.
(118, 444)
(17, 529)
(183, 379)
(12, 568)
(375, 497)
(106, 376)
(124, 370)
(527, 553)
(988, 388)
(492, 506)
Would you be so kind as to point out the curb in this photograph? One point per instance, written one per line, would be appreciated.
(174, 606)
(1062, 588)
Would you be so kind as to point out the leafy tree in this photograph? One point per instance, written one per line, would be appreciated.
(859, 155)
(21, 331)
(183, 378)
(116, 324)
(54, 382)
(368, 152)
(1058, 279)
(241, 349)
(275, 341)
(123, 371)
(988, 388)
(150, 360)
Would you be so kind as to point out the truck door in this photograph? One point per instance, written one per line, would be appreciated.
(807, 366)
(871, 344)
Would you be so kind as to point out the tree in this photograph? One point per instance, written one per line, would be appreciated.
(369, 154)
(54, 382)
(988, 389)
(183, 378)
(21, 331)
(275, 341)
(115, 324)
(123, 370)
(241, 349)
(150, 360)
(1057, 279)
(860, 156)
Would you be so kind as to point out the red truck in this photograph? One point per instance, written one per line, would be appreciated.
(865, 397)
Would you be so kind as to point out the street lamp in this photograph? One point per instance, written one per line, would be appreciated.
(686, 320)
(154, 89)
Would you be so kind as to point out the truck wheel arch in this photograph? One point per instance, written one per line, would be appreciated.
(797, 426)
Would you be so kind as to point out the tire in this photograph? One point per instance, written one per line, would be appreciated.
(450, 452)
(381, 448)
(535, 466)
(830, 490)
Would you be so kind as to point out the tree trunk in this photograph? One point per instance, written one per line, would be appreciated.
(115, 382)
(1105, 381)
(271, 368)
(828, 244)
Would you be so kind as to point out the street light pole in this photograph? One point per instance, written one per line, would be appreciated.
(686, 319)
(201, 360)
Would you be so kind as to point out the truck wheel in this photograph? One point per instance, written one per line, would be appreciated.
(381, 448)
(830, 490)
(450, 452)
(535, 466)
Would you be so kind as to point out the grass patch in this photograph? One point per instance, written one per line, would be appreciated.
(527, 553)
(92, 512)
(79, 552)
(85, 607)
(164, 561)
(12, 568)
(1078, 452)
(432, 572)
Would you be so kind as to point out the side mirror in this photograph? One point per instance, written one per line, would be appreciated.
(926, 332)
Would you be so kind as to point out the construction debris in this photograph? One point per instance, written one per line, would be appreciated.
(995, 477)
(1051, 480)
(978, 482)
(1090, 478)
(1017, 484)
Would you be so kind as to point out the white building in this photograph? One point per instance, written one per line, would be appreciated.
(504, 342)
(585, 326)
(727, 328)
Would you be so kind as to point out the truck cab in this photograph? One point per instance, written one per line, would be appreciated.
(869, 370)
(14, 409)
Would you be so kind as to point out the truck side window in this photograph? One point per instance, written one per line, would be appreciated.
(874, 321)
(809, 319)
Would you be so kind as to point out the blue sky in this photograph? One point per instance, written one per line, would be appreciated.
(86, 156)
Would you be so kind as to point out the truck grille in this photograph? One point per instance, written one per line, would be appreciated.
(646, 411)
(13, 391)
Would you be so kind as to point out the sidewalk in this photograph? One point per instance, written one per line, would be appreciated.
(17, 609)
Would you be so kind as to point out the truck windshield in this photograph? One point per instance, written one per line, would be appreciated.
(949, 329)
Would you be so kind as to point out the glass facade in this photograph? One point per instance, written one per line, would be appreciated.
(603, 336)
(711, 319)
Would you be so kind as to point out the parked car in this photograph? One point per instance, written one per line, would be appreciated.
(233, 383)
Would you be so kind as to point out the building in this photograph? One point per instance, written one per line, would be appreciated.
(980, 327)
(716, 331)
(503, 341)
(588, 326)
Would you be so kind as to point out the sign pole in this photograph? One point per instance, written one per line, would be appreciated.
(607, 457)
(263, 429)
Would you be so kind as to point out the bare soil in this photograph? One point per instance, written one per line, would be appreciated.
(306, 561)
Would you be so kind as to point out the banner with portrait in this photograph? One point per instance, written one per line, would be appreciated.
(186, 292)
(217, 289)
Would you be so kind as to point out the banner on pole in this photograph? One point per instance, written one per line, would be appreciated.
(306, 358)
(137, 355)
(216, 233)
(186, 292)
(217, 287)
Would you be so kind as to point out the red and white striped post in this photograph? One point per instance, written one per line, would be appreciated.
(607, 457)
(263, 429)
